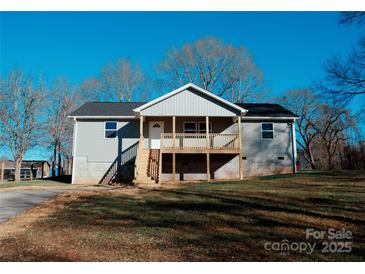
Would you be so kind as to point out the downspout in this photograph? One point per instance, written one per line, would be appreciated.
(294, 147)
(74, 152)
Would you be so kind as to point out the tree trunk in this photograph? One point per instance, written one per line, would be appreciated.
(18, 164)
(312, 164)
(31, 172)
(54, 160)
(310, 157)
(329, 158)
(2, 171)
(59, 160)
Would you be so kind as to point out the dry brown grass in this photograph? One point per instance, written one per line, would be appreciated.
(228, 221)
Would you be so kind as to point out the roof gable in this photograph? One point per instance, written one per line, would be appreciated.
(190, 100)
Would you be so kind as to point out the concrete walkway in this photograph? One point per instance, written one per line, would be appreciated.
(15, 201)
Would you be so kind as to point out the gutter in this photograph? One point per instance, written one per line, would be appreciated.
(269, 118)
(103, 117)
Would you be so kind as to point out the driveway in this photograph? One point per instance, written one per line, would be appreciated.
(15, 201)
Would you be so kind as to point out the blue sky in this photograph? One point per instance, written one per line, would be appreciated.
(289, 47)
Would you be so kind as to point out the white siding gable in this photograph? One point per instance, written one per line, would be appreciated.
(190, 103)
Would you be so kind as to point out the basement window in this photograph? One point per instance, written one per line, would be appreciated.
(267, 131)
(110, 130)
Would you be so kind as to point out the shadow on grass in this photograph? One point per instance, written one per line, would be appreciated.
(188, 209)
(319, 174)
(211, 222)
(66, 179)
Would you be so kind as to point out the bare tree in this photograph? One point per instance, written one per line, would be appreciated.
(346, 77)
(61, 103)
(121, 81)
(210, 63)
(20, 115)
(331, 126)
(90, 90)
(352, 17)
(304, 103)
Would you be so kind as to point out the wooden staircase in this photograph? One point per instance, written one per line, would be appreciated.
(148, 166)
(114, 174)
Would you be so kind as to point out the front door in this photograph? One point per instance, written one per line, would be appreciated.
(156, 128)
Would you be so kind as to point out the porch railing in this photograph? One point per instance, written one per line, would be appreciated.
(217, 141)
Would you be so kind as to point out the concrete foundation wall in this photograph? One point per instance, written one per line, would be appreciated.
(87, 172)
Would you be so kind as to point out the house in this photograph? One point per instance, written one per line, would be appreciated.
(187, 134)
(30, 169)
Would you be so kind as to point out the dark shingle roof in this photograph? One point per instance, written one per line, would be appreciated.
(107, 109)
(126, 109)
(266, 110)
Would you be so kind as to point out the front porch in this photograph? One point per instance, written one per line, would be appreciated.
(161, 136)
(189, 120)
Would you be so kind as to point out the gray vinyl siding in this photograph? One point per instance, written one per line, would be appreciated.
(91, 142)
(262, 154)
(94, 153)
(190, 103)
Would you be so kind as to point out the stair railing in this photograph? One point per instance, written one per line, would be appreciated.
(126, 156)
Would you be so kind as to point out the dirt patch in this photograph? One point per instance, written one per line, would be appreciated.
(60, 186)
(26, 219)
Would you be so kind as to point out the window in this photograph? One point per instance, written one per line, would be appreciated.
(267, 131)
(202, 126)
(110, 129)
(190, 127)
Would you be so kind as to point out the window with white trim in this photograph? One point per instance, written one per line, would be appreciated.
(202, 126)
(267, 131)
(190, 127)
(111, 130)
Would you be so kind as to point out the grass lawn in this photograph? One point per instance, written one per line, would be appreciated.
(228, 221)
(32, 183)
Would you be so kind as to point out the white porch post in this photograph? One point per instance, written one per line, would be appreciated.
(207, 131)
(240, 145)
(173, 131)
(141, 138)
(173, 167)
(173, 145)
(208, 146)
